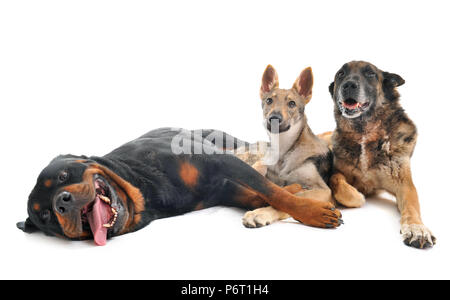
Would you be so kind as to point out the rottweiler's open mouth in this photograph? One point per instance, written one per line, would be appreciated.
(99, 215)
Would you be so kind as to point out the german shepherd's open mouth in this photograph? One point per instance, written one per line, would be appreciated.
(353, 106)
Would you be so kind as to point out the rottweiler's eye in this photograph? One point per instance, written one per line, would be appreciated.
(292, 104)
(269, 101)
(340, 74)
(370, 73)
(45, 215)
(62, 176)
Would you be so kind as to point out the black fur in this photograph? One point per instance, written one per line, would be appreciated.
(324, 164)
(149, 164)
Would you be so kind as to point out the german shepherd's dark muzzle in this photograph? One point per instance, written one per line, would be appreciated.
(356, 88)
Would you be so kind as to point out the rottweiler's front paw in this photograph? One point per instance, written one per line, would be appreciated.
(417, 236)
(320, 214)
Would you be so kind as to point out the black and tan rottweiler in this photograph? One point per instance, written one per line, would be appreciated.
(79, 197)
(373, 143)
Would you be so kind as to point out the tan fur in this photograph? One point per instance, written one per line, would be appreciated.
(292, 164)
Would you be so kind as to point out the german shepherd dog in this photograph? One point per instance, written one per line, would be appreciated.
(373, 143)
(294, 155)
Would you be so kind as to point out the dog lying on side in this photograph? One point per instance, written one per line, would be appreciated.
(294, 155)
(373, 143)
(79, 197)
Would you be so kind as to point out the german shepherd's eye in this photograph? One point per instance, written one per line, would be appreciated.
(63, 176)
(370, 74)
(292, 104)
(269, 101)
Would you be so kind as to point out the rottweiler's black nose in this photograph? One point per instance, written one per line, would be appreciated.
(350, 85)
(276, 117)
(63, 202)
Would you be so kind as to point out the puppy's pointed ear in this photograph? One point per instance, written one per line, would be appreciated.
(269, 80)
(331, 89)
(304, 84)
(392, 80)
(27, 226)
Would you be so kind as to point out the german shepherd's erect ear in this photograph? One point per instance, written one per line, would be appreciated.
(304, 83)
(331, 89)
(269, 80)
(392, 79)
(390, 82)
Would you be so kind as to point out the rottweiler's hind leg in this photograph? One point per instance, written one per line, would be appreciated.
(267, 215)
(307, 211)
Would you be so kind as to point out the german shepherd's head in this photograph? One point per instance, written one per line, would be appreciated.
(282, 108)
(359, 87)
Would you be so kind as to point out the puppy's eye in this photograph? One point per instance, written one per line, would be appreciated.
(45, 215)
(269, 101)
(63, 176)
(370, 74)
(292, 104)
(340, 74)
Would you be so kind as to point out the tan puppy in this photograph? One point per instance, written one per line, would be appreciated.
(294, 155)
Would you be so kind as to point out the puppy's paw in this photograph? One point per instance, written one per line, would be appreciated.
(262, 217)
(417, 236)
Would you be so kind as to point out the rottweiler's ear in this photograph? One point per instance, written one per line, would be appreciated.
(27, 226)
(304, 84)
(392, 80)
(331, 89)
(269, 80)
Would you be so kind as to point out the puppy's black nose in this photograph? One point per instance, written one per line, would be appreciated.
(63, 202)
(276, 117)
(350, 85)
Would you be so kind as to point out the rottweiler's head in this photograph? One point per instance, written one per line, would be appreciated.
(359, 87)
(77, 198)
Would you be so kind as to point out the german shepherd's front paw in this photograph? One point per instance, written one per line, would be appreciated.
(320, 214)
(262, 217)
(417, 236)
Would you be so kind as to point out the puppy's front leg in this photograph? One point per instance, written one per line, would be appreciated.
(414, 233)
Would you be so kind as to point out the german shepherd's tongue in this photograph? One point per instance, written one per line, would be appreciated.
(100, 214)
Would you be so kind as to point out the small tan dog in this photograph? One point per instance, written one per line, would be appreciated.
(294, 155)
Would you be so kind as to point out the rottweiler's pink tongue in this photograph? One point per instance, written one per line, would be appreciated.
(100, 214)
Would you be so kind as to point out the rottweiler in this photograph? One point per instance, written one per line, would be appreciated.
(163, 173)
(373, 143)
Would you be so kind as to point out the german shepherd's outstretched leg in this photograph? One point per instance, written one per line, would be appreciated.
(413, 230)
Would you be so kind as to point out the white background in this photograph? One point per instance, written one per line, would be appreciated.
(84, 77)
